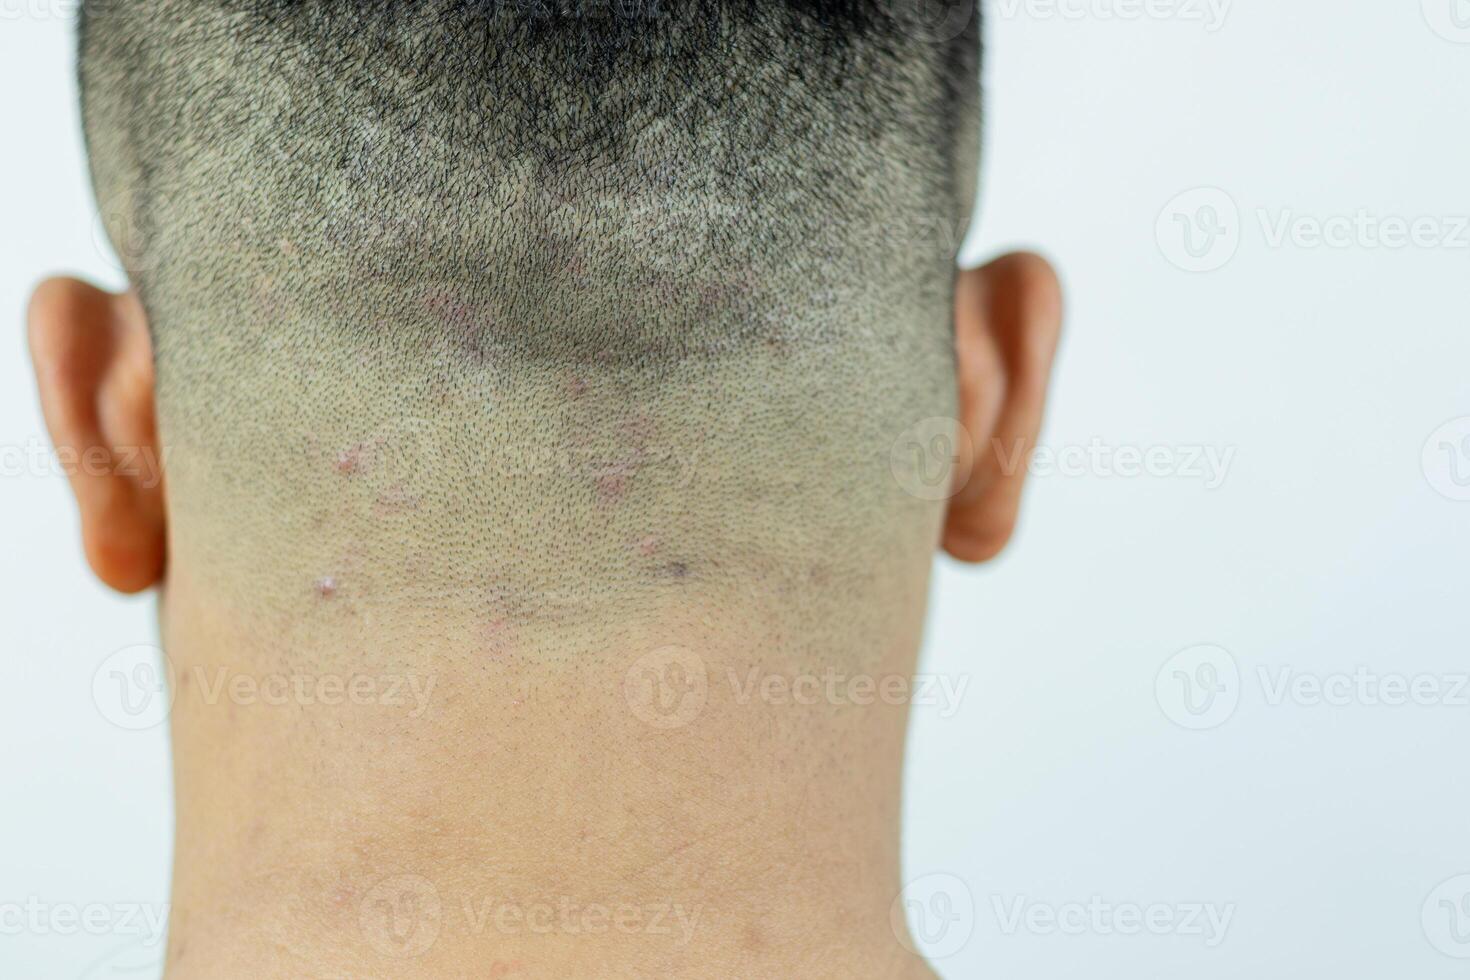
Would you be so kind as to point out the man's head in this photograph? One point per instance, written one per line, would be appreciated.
(595, 368)
(538, 313)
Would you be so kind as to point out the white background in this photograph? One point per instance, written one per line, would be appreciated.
(1063, 777)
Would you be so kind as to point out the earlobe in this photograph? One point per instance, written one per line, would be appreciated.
(1008, 318)
(94, 370)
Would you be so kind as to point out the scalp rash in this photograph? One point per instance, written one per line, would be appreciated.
(348, 460)
(610, 483)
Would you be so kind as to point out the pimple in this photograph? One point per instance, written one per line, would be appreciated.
(348, 460)
(612, 480)
(325, 587)
(648, 545)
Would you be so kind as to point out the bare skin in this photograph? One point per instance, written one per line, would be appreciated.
(712, 827)
(710, 788)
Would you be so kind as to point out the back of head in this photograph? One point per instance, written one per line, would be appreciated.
(497, 313)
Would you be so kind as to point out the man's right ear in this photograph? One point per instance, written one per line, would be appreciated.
(94, 369)
(1008, 319)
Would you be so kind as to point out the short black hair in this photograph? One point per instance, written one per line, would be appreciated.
(391, 133)
(565, 244)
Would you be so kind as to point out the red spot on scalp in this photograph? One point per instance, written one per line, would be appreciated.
(611, 487)
(348, 460)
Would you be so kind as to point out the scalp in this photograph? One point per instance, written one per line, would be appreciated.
(549, 307)
(618, 183)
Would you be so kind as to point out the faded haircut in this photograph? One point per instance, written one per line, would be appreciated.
(648, 287)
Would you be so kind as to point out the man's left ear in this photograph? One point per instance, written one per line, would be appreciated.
(1007, 321)
(94, 368)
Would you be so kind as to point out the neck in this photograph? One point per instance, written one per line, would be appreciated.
(699, 791)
